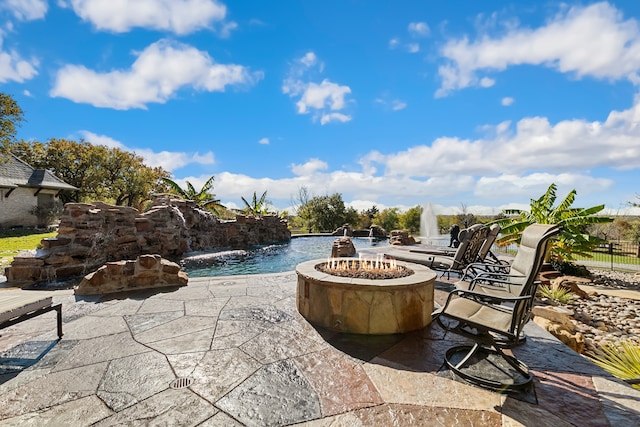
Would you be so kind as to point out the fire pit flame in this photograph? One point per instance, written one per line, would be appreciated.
(377, 265)
(378, 268)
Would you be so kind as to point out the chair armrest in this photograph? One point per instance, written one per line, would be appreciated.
(495, 280)
(482, 298)
(444, 252)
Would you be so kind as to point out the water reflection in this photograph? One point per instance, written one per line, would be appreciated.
(274, 258)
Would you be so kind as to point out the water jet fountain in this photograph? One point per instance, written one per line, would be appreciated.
(429, 232)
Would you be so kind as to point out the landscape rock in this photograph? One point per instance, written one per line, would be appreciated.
(572, 283)
(342, 247)
(147, 271)
(92, 234)
(401, 238)
(599, 319)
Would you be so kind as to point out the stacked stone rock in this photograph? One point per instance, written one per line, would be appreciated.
(401, 238)
(342, 247)
(90, 235)
(147, 271)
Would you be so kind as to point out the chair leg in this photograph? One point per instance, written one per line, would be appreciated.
(485, 372)
(58, 309)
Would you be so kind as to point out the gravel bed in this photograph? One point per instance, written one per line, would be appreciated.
(605, 319)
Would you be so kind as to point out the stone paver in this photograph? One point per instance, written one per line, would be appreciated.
(247, 357)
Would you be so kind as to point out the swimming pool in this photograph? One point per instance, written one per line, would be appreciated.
(274, 258)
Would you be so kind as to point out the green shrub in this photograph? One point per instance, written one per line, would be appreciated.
(556, 293)
(621, 361)
(570, 269)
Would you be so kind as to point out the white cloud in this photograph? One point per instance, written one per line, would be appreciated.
(511, 164)
(309, 59)
(513, 186)
(263, 141)
(487, 82)
(393, 43)
(419, 28)
(394, 105)
(334, 117)
(105, 140)
(413, 48)
(14, 67)
(530, 145)
(324, 95)
(168, 160)
(178, 16)
(507, 101)
(566, 43)
(398, 105)
(226, 28)
(309, 168)
(157, 74)
(325, 99)
(26, 10)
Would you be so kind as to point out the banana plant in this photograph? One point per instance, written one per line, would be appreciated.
(574, 240)
(202, 198)
(257, 206)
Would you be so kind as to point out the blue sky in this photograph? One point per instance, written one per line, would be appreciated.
(466, 103)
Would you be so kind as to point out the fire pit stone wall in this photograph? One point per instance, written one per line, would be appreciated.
(365, 306)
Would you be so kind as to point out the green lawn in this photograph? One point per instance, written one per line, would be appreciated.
(617, 259)
(14, 241)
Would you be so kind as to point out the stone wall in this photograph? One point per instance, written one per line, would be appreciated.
(89, 235)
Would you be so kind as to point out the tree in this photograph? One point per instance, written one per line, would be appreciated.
(573, 239)
(410, 220)
(257, 206)
(202, 198)
(351, 217)
(324, 213)
(11, 116)
(388, 218)
(100, 173)
(465, 219)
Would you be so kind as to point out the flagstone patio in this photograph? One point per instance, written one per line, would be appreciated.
(243, 355)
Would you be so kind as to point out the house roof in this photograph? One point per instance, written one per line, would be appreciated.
(16, 173)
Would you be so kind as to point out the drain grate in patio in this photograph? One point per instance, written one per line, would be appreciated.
(181, 383)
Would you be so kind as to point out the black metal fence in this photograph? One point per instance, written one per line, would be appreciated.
(613, 255)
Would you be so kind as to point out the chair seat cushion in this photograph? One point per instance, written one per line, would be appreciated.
(479, 314)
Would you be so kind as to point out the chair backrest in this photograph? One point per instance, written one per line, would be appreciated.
(471, 239)
(530, 256)
(492, 235)
(527, 262)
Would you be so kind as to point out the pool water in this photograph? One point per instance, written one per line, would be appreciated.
(274, 258)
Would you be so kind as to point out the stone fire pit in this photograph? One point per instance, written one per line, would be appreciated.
(365, 306)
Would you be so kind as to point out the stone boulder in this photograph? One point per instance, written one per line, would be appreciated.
(401, 238)
(345, 230)
(572, 283)
(342, 247)
(147, 271)
(560, 323)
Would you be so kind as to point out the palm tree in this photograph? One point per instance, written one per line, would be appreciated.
(202, 198)
(572, 241)
(257, 206)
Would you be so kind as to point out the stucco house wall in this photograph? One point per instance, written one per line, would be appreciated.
(22, 188)
(15, 210)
